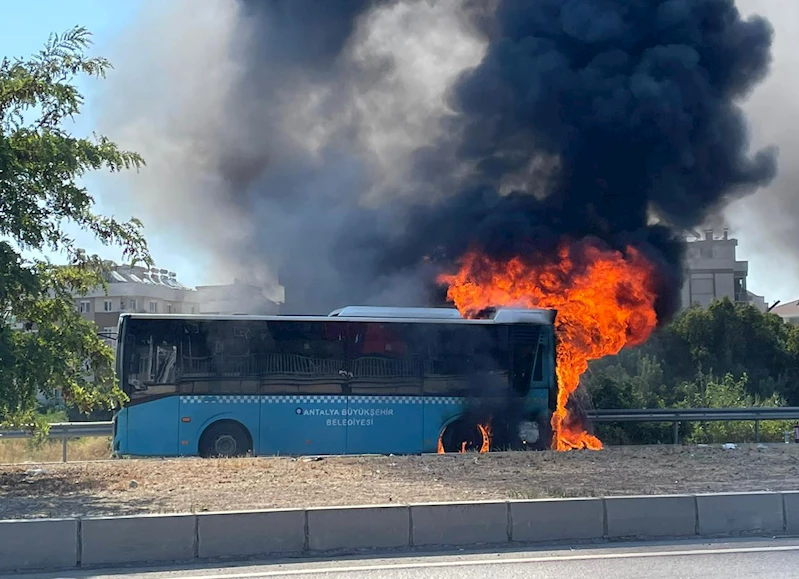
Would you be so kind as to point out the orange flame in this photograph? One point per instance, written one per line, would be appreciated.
(602, 307)
(485, 430)
(485, 435)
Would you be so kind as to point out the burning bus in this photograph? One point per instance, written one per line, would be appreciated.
(362, 380)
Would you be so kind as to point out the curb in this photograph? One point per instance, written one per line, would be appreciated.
(90, 542)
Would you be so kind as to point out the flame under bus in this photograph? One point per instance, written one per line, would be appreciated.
(359, 381)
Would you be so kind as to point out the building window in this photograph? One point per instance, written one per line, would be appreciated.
(703, 286)
(153, 307)
(132, 305)
(85, 307)
(107, 306)
(740, 290)
(169, 308)
(191, 309)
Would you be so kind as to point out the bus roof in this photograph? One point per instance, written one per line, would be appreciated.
(378, 314)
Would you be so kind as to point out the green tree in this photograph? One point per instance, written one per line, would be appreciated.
(737, 340)
(41, 164)
(708, 391)
(756, 353)
(633, 379)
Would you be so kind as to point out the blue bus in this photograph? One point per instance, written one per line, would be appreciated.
(362, 380)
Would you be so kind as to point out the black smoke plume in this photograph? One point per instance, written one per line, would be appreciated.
(353, 149)
(635, 103)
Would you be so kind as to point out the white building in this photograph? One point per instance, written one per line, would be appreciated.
(713, 272)
(136, 289)
(789, 311)
(158, 291)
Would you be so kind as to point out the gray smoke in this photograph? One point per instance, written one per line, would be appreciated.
(271, 127)
(304, 140)
(767, 223)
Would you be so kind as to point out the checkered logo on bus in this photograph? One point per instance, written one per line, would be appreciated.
(444, 400)
(223, 399)
(304, 399)
(319, 399)
(386, 400)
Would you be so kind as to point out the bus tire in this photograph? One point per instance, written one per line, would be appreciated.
(461, 435)
(225, 439)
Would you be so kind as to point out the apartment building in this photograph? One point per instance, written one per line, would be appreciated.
(158, 291)
(714, 272)
(136, 289)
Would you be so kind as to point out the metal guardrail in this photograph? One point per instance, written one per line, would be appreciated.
(694, 414)
(66, 430)
(679, 415)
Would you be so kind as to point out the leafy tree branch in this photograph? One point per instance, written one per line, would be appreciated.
(41, 164)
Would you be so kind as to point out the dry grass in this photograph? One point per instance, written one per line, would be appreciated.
(191, 485)
(25, 451)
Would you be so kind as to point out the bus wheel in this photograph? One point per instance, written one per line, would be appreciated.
(225, 439)
(463, 436)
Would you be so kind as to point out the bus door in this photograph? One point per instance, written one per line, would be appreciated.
(533, 385)
(303, 388)
(150, 380)
(385, 404)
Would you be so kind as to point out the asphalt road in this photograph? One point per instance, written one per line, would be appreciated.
(772, 559)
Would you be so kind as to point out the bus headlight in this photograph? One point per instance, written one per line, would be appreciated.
(528, 432)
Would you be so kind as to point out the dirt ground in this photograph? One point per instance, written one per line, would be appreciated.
(194, 485)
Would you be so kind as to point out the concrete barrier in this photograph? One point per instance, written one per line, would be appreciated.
(733, 513)
(651, 516)
(38, 544)
(73, 543)
(790, 506)
(556, 520)
(459, 524)
(250, 533)
(382, 527)
(138, 539)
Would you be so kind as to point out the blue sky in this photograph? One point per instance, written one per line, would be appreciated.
(24, 29)
(26, 25)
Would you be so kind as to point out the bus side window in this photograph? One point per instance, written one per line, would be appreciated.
(383, 358)
(196, 358)
(302, 358)
(489, 350)
(166, 360)
(153, 359)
